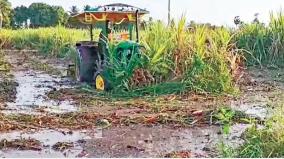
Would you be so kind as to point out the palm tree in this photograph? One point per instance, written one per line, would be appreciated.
(87, 7)
(237, 20)
(256, 20)
(74, 10)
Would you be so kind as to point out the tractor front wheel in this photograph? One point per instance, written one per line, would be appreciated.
(101, 83)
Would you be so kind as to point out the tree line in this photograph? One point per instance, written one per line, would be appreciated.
(35, 15)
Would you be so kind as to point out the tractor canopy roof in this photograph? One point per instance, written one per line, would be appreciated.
(116, 13)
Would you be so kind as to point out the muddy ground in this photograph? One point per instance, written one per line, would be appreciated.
(45, 113)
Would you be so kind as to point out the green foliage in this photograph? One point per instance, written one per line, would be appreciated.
(57, 41)
(201, 57)
(263, 44)
(267, 141)
(21, 15)
(159, 89)
(158, 41)
(123, 60)
(225, 116)
(253, 146)
(5, 13)
(59, 15)
(253, 38)
(210, 65)
(44, 15)
(227, 151)
(40, 15)
(261, 141)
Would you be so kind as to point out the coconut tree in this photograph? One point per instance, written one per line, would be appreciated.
(74, 10)
(237, 20)
(256, 19)
(87, 7)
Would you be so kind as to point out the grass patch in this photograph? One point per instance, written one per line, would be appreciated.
(268, 141)
(54, 41)
(263, 44)
(201, 58)
(261, 141)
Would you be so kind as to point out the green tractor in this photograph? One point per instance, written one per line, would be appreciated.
(119, 24)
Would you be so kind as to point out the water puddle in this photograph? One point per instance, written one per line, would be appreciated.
(259, 110)
(47, 138)
(31, 90)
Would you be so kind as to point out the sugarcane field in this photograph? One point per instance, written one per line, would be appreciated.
(141, 79)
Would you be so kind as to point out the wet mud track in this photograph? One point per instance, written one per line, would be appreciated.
(34, 82)
(31, 94)
(51, 144)
(161, 141)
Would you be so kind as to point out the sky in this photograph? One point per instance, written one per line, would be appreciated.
(218, 12)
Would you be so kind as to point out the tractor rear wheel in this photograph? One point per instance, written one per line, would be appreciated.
(85, 65)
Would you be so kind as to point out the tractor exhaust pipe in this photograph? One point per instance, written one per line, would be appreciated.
(91, 32)
(137, 26)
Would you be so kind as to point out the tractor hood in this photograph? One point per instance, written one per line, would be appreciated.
(128, 45)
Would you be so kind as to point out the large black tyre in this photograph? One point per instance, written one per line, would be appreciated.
(85, 64)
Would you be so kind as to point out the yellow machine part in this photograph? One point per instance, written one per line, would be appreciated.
(100, 83)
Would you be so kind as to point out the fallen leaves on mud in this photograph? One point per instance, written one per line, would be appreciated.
(186, 110)
(8, 126)
(68, 120)
(88, 120)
